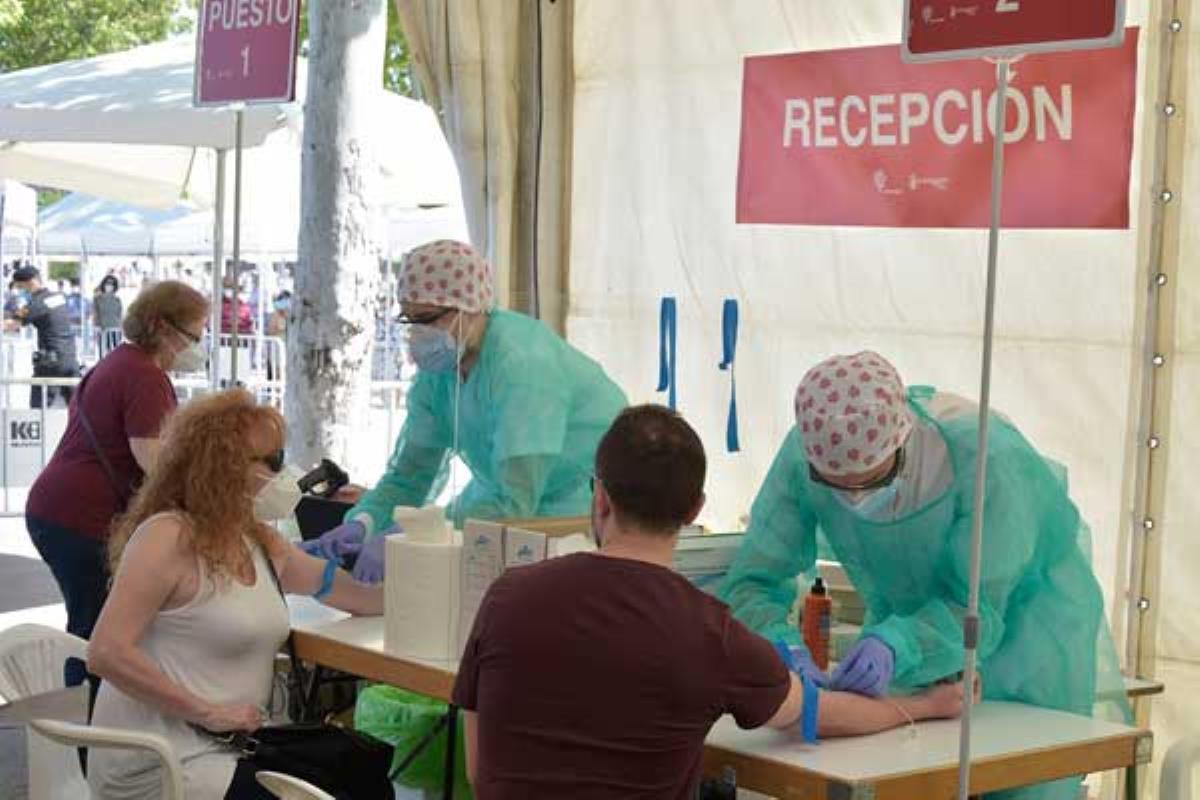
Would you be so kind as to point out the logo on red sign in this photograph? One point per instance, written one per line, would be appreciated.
(246, 51)
(857, 137)
(945, 29)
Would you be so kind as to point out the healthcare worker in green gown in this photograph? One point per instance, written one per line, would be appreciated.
(521, 407)
(887, 476)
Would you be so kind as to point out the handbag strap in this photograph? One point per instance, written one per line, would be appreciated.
(297, 671)
(123, 494)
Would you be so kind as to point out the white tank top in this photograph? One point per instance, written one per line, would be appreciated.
(220, 646)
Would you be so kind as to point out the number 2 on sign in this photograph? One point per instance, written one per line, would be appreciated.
(1007, 6)
(246, 61)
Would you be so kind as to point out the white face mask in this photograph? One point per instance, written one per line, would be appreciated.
(279, 498)
(193, 358)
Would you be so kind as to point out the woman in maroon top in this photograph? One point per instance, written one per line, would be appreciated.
(110, 442)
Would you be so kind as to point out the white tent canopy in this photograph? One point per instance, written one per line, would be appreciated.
(79, 225)
(123, 127)
(19, 219)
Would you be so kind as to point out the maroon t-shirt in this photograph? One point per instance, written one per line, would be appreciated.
(598, 677)
(126, 396)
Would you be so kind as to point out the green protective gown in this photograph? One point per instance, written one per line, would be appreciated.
(532, 411)
(1043, 637)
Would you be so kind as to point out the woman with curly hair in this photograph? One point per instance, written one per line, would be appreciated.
(188, 636)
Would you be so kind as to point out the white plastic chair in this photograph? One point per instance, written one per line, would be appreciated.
(1175, 782)
(288, 787)
(32, 659)
(72, 735)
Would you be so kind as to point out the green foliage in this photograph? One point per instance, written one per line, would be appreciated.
(396, 73)
(37, 32)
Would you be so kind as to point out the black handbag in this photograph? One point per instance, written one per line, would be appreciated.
(345, 763)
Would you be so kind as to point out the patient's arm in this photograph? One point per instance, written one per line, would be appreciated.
(848, 714)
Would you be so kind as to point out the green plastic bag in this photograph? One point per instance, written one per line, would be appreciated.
(402, 719)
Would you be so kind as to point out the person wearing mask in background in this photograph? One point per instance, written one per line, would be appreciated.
(613, 694)
(277, 328)
(107, 313)
(888, 476)
(518, 404)
(190, 632)
(109, 444)
(47, 312)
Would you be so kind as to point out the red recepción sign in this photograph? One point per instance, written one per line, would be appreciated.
(246, 51)
(944, 29)
(858, 137)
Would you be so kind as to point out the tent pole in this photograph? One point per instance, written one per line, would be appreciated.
(971, 621)
(235, 324)
(214, 358)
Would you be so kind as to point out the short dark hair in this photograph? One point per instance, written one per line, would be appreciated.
(26, 273)
(652, 466)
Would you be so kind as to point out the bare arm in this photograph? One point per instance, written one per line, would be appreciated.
(300, 573)
(471, 735)
(849, 714)
(145, 452)
(156, 565)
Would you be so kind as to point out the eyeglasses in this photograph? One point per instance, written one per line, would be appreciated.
(274, 461)
(185, 333)
(878, 483)
(423, 319)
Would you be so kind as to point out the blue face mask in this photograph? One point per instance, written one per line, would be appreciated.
(877, 505)
(433, 349)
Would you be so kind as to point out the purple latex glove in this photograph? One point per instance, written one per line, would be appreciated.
(334, 544)
(798, 660)
(867, 668)
(369, 566)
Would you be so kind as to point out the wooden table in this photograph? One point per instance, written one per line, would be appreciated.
(1014, 745)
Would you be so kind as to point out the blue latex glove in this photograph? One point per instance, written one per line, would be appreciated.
(334, 544)
(867, 668)
(369, 566)
(798, 660)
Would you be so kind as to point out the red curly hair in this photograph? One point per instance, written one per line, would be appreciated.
(203, 474)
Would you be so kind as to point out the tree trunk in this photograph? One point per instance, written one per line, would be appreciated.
(333, 309)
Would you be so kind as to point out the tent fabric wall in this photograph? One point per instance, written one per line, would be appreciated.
(478, 63)
(1178, 591)
(656, 136)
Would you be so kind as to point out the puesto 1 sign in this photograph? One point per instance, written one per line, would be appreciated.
(246, 51)
(952, 29)
(857, 137)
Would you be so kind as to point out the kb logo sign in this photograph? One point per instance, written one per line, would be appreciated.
(25, 434)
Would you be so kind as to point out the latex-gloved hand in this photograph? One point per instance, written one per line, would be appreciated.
(369, 566)
(334, 544)
(799, 661)
(867, 668)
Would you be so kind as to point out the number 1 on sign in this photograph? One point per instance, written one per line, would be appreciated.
(1007, 6)
(246, 61)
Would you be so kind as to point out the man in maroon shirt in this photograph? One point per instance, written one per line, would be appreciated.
(599, 675)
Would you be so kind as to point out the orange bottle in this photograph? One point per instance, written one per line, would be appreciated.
(814, 624)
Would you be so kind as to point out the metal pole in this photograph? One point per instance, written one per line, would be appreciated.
(971, 622)
(214, 356)
(237, 246)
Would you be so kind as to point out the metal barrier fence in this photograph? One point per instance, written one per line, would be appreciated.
(30, 436)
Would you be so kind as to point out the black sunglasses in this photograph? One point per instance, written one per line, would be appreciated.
(274, 461)
(423, 319)
(878, 483)
(191, 337)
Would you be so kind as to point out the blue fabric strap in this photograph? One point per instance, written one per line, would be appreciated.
(808, 717)
(331, 568)
(812, 696)
(729, 335)
(667, 330)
